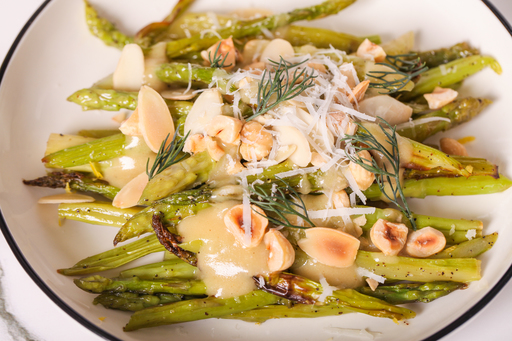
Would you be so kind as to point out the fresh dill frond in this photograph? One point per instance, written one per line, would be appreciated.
(388, 174)
(285, 201)
(281, 85)
(405, 68)
(217, 61)
(167, 155)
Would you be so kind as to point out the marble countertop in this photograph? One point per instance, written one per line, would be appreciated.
(26, 313)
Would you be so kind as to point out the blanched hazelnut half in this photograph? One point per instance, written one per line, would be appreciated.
(281, 254)
(388, 237)
(425, 242)
(233, 219)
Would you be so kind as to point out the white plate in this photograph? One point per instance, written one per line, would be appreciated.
(57, 55)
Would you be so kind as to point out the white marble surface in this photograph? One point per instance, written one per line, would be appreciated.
(26, 313)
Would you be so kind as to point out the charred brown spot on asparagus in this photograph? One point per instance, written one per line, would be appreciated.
(171, 241)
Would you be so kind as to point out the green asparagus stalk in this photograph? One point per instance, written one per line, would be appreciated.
(115, 100)
(115, 257)
(172, 73)
(306, 291)
(98, 150)
(478, 166)
(457, 112)
(185, 174)
(174, 268)
(403, 293)
(98, 213)
(97, 133)
(103, 29)
(128, 301)
(76, 181)
(421, 270)
(469, 249)
(253, 27)
(198, 309)
(450, 73)
(98, 284)
(151, 33)
(434, 58)
(443, 186)
(172, 214)
(319, 37)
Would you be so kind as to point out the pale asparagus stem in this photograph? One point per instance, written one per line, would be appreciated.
(98, 213)
(103, 29)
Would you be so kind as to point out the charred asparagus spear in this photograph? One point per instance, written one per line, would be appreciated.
(129, 301)
(103, 29)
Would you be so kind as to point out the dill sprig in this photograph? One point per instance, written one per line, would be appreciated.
(387, 175)
(217, 61)
(405, 66)
(281, 85)
(285, 201)
(167, 155)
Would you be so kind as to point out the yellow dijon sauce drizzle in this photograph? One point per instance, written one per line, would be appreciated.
(225, 266)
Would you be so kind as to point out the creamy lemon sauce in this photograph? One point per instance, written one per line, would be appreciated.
(339, 277)
(120, 170)
(225, 266)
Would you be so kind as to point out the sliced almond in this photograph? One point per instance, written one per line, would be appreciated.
(233, 220)
(390, 238)
(155, 119)
(316, 131)
(373, 284)
(317, 160)
(290, 135)
(386, 107)
(358, 92)
(425, 242)
(130, 194)
(253, 49)
(178, 94)
(276, 49)
(281, 253)
(130, 69)
(452, 147)
(119, 118)
(363, 177)
(131, 125)
(284, 152)
(330, 247)
(65, 198)
(348, 70)
(440, 97)
(205, 108)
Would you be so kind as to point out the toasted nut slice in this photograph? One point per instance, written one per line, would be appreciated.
(340, 199)
(276, 49)
(370, 51)
(195, 144)
(155, 121)
(178, 94)
(119, 118)
(131, 125)
(225, 128)
(253, 49)
(317, 160)
(213, 148)
(65, 198)
(291, 135)
(255, 66)
(425, 242)
(205, 108)
(452, 147)
(233, 219)
(358, 92)
(318, 67)
(330, 247)
(364, 178)
(130, 194)
(226, 50)
(373, 284)
(284, 152)
(388, 237)
(348, 70)
(130, 69)
(440, 97)
(387, 108)
(256, 142)
(282, 254)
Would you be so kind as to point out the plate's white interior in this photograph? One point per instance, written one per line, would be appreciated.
(58, 56)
